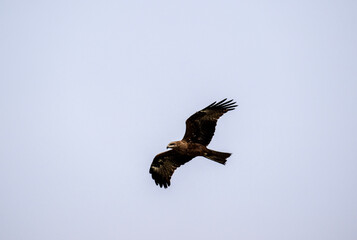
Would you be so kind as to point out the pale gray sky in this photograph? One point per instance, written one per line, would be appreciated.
(91, 91)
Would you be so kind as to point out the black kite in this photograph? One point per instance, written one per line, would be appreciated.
(200, 129)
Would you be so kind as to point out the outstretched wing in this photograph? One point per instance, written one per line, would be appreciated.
(164, 165)
(200, 126)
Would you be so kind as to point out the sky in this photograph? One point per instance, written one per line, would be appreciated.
(91, 91)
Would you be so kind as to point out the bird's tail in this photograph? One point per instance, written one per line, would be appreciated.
(220, 157)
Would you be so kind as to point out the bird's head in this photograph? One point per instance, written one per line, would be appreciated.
(172, 145)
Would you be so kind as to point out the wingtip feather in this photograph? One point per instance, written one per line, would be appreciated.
(224, 104)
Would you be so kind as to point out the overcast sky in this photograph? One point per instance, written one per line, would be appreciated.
(91, 91)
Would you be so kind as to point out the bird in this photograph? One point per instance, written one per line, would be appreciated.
(200, 128)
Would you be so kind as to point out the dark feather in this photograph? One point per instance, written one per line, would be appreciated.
(200, 126)
(164, 165)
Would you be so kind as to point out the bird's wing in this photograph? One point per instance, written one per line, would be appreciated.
(200, 126)
(164, 165)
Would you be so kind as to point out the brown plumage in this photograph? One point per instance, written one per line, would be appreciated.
(200, 129)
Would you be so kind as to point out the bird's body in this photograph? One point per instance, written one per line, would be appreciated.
(189, 148)
(200, 129)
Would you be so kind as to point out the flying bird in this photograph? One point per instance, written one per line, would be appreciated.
(200, 129)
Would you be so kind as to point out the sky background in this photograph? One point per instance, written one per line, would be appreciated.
(91, 91)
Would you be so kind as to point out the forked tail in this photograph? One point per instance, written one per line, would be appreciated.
(220, 157)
